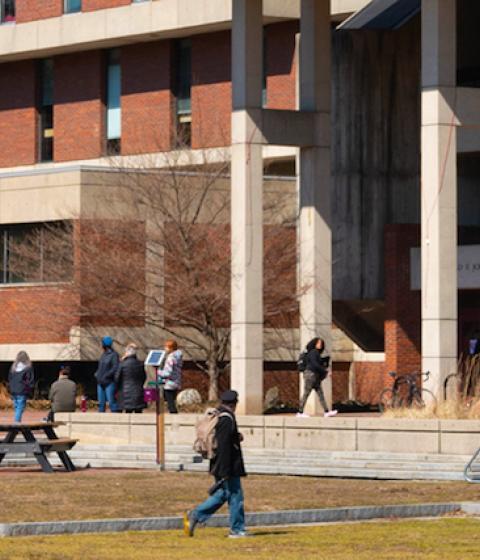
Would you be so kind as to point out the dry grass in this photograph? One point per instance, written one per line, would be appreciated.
(447, 410)
(443, 539)
(34, 496)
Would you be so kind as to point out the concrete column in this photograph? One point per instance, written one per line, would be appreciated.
(439, 192)
(313, 168)
(247, 207)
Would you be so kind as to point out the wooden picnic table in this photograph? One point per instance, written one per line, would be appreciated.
(34, 445)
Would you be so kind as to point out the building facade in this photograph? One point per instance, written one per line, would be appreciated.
(332, 110)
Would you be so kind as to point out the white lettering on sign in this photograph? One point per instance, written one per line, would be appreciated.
(468, 267)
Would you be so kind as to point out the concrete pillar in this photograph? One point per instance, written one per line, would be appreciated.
(247, 207)
(313, 169)
(439, 192)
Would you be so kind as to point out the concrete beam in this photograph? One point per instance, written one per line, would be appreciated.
(143, 21)
(281, 128)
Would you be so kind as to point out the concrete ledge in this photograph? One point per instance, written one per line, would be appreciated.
(262, 519)
(441, 437)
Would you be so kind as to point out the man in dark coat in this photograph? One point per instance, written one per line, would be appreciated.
(228, 468)
(105, 376)
(130, 378)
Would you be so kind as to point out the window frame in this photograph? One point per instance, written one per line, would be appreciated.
(3, 17)
(68, 10)
(27, 228)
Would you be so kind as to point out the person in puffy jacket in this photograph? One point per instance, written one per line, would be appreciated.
(129, 379)
(315, 372)
(171, 375)
(21, 382)
(105, 376)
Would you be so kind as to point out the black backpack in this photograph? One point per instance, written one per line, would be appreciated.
(302, 361)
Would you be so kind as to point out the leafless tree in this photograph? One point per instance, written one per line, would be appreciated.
(153, 257)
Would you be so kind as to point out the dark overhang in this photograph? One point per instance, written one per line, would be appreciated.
(383, 14)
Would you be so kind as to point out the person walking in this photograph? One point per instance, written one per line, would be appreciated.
(62, 394)
(228, 468)
(316, 371)
(21, 381)
(129, 379)
(105, 376)
(171, 375)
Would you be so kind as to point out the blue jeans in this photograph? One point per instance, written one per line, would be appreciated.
(230, 492)
(19, 405)
(106, 394)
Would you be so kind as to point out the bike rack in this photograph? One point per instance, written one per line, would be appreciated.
(471, 472)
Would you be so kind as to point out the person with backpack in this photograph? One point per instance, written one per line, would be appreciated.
(105, 376)
(314, 367)
(21, 383)
(226, 465)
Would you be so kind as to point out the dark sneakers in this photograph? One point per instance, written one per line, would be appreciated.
(189, 523)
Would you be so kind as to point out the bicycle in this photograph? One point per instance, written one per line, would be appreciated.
(415, 397)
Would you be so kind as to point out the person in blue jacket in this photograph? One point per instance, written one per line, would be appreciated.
(105, 376)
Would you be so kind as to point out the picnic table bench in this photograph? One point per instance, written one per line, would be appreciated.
(34, 445)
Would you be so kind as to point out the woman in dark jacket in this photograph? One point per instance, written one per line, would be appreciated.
(130, 378)
(21, 383)
(315, 372)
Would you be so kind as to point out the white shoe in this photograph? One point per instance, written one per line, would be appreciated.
(239, 534)
(303, 415)
(330, 413)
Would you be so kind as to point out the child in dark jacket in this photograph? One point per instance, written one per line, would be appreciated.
(20, 383)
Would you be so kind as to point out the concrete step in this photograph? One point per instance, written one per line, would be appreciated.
(400, 466)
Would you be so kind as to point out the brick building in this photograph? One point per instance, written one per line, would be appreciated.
(90, 87)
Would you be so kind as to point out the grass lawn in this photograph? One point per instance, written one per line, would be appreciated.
(444, 539)
(32, 496)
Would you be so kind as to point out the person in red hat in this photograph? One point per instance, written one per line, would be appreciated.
(228, 468)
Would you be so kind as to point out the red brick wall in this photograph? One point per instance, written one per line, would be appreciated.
(29, 10)
(370, 380)
(280, 62)
(146, 98)
(18, 114)
(34, 315)
(402, 305)
(90, 5)
(79, 111)
(211, 90)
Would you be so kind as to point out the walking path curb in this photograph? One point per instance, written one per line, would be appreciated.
(261, 519)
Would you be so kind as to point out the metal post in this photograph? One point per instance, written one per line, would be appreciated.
(160, 423)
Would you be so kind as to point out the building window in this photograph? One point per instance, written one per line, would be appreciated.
(7, 11)
(45, 110)
(72, 6)
(33, 253)
(114, 96)
(183, 92)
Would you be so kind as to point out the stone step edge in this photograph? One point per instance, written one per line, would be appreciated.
(260, 519)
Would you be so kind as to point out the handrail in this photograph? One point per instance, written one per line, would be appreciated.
(466, 475)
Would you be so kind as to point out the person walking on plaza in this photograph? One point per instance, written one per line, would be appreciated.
(105, 376)
(129, 379)
(171, 374)
(316, 370)
(228, 468)
(63, 393)
(21, 382)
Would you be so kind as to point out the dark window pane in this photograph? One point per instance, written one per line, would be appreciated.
(7, 10)
(184, 77)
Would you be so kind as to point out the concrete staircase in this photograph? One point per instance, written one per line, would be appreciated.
(395, 466)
